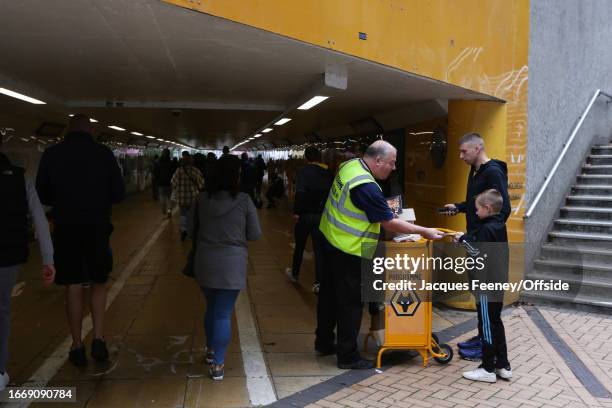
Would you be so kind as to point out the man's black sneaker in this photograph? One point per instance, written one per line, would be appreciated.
(98, 350)
(77, 357)
(361, 364)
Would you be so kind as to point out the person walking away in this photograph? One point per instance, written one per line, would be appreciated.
(352, 218)
(19, 198)
(186, 182)
(226, 220)
(491, 240)
(276, 189)
(80, 180)
(248, 178)
(485, 174)
(163, 175)
(260, 166)
(313, 182)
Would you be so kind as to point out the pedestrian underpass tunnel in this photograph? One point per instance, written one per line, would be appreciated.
(199, 178)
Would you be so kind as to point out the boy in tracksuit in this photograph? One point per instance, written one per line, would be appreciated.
(490, 239)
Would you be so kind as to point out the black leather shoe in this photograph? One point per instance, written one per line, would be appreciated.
(98, 350)
(77, 357)
(361, 364)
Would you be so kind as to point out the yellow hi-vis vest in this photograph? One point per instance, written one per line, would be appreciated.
(344, 225)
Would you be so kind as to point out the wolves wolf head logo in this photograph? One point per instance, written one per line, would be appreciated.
(404, 302)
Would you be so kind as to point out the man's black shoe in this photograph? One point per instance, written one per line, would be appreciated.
(77, 357)
(98, 350)
(361, 364)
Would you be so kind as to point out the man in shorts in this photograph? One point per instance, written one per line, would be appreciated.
(80, 179)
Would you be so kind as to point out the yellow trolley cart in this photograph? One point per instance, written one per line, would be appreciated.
(408, 313)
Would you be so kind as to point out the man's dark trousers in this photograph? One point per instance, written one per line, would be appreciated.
(339, 303)
(308, 224)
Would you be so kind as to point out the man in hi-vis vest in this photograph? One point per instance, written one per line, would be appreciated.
(354, 213)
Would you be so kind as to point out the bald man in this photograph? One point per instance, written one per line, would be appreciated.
(354, 213)
(81, 180)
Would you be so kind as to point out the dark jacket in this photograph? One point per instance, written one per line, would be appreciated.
(163, 172)
(248, 176)
(490, 238)
(312, 185)
(13, 214)
(80, 179)
(492, 174)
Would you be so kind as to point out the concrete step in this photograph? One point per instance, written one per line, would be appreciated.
(597, 179)
(576, 253)
(578, 285)
(598, 159)
(602, 149)
(600, 201)
(597, 169)
(583, 225)
(592, 189)
(591, 213)
(580, 238)
(565, 297)
(592, 273)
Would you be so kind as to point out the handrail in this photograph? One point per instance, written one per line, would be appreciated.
(566, 146)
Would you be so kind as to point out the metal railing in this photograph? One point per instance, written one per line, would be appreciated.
(566, 146)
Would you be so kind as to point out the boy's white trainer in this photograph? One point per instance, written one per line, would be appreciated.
(480, 374)
(4, 380)
(505, 373)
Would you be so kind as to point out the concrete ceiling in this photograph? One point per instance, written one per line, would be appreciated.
(228, 80)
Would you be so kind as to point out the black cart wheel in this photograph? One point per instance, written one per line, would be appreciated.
(445, 348)
(435, 338)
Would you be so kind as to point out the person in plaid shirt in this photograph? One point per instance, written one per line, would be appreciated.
(186, 182)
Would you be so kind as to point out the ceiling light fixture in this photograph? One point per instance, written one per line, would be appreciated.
(22, 97)
(313, 102)
(257, 135)
(266, 130)
(92, 120)
(282, 121)
(161, 140)
(136, 133)
(150, 137)
(117, 128)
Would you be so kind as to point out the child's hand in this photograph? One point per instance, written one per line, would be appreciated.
(457, 236)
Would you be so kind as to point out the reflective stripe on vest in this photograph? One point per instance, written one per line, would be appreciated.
(344, 225)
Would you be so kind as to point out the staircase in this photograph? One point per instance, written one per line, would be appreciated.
(579, 247)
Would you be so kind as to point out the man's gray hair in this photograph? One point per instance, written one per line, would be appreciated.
(379, 148)
(472, 138)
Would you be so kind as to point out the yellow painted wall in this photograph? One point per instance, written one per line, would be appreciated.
(476, 44)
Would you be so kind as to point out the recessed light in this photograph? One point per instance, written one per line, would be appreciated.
(150, 137)
(313, 102)
(161, 140)
(117, 128)
(257, 135)
(71, 115)
(22, 97)
(266, 130)
(282, 121)
(136, 133)
(92, 120)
